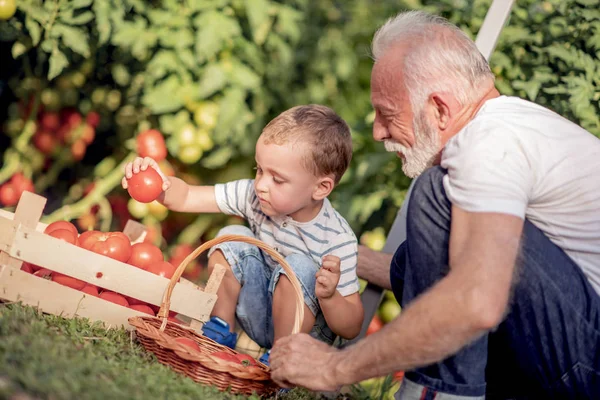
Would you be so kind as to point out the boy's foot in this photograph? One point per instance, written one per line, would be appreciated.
(265, 358)
(218, 330)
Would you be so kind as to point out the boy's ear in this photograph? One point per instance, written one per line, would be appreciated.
(323, 188)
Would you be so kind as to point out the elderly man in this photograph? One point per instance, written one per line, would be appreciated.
(500, 273)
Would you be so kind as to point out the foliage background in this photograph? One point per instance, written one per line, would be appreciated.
(210, 74)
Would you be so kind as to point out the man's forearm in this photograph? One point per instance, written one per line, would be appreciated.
(344, 317)
(374, 266)
(434, 326)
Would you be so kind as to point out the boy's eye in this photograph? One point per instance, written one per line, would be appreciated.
(258, 170)
(278, 181)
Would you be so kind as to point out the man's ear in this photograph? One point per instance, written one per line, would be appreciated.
(323, 188)
(443, 107)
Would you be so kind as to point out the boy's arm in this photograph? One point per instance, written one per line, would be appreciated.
(187, 198)
(344, 314)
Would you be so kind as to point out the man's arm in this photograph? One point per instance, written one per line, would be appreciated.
(468, 302)
(374, 266)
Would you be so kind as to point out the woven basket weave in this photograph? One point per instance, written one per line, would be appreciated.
(158, 335)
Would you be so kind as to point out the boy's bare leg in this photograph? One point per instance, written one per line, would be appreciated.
(284, 310)
(228, 292)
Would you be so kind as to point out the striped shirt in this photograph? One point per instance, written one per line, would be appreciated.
(326, 234)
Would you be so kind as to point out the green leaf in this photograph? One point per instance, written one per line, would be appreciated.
(121, 74)
(102, 11)
(163, 97)
(187, 58)
(244, 76)
(288, 23)
(58, 62)
(80, 19)
(134, 36)
(73, 38)
(230, 106)
(213, 79)
(258, 17)
(39, 14)
(180, 38)
(214, 29)
(588, 3)
(34, 29)
(217, 158)
(18, 49)
(80, 3)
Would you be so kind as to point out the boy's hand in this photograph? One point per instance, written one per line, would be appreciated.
(328, 277)
(142, 164)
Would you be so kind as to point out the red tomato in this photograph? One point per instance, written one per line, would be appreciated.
(398, 376)
(93, 118)
(8, 195)
(142, 308)
(78, 149)
(68, 281)
(49, 120)
(245, 359)
(90, 289)
(162, 268)
(115, 245)
(22, 184)
(44, 273)
(151, 143)
(188, 342)
(375, 325)
(145, 186)
(114, 298)
(143, 254)
(27, 267)
(64, 234)
(224, 355)
(45, 142)
(135, 302)
(61, 225)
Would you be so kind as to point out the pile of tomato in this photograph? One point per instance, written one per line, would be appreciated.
(115, 245)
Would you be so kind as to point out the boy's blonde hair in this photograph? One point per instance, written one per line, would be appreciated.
(322, 129)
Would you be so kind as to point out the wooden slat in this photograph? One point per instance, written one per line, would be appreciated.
(28, 213)
(60, 256)
(135, 231)
(40, 227)
(52, 298)
(214, 281)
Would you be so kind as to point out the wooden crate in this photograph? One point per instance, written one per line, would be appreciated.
(21, 239)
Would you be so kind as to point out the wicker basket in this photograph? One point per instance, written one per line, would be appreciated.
(158, 335)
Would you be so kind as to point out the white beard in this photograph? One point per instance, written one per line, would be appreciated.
(423, 153)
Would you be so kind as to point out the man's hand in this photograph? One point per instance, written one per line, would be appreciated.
(300, 360)
(328, 277)
(142, 164)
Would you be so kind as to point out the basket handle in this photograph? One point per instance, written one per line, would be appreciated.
(166, 302)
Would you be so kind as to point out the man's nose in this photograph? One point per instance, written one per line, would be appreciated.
(380, 132)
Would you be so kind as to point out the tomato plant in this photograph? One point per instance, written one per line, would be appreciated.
(145, 186)
(144, 254)
(115, 245)
(151, 143)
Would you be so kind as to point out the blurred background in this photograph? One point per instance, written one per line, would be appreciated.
(82, 82)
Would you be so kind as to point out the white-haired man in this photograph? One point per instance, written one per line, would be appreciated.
(500, 272)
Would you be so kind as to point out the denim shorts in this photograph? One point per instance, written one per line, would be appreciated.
(253, 311)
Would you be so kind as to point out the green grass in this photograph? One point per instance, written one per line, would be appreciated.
(49, 357)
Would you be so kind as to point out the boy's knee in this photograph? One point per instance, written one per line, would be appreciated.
(235, 230)
(304, 267)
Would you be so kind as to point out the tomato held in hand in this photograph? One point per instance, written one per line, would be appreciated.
(151, 143)
(145, 186)
(162, 268)
(144, 254)
(115, 245)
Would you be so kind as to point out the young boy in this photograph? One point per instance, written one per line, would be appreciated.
(301, 156)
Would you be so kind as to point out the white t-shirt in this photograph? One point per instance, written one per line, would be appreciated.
(326, 234)
(519, 158)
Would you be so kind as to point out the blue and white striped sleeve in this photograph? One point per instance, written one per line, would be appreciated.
(235, 198)
(345, 246)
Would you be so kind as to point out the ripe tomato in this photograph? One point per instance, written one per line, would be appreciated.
(68, 281)
(115, 245)
(375, 325)
(224, 355)
(45, 142)
(78, 149)
(245, 359)
(145, 186)
(188, 342)
(162, 268)
(49, 121)
(64, 234)
(44, 273)
(93, 118)
(90, 289)
(8, 195)
(136, 302)
(142, 308)
(144, 254)
(65, 225)
(7, 9)
(27, 267)
(151, 143)
(114, 298)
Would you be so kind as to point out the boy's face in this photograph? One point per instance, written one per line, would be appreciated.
(282, 183)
